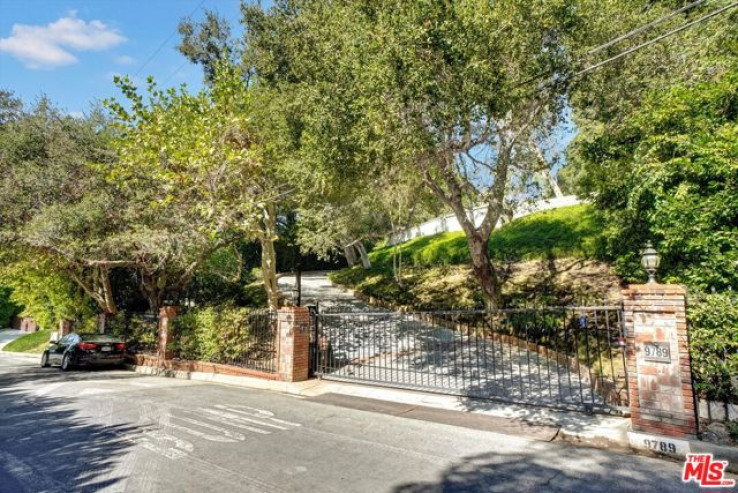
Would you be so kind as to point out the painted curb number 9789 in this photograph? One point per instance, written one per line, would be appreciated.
(660, 446)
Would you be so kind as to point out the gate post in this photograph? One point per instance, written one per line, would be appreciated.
(293, 325)
(167, 314)
(659, 372)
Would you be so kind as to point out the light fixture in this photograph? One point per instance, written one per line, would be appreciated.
(650, 261)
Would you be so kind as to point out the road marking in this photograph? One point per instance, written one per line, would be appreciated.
(235, 417)
(228, 436)
(260, 413)
(222, 418)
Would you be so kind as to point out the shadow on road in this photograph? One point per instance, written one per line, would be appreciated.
(47, 446)
(543, 470)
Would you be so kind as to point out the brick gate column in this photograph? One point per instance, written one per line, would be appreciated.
(293, 331)
(659, 373)
(167, 314)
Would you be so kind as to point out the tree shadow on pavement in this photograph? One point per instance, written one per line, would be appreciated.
(561, 468)
(46, 445)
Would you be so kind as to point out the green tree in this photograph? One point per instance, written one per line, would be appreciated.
(434, 86)
(669, 174)
(189, 167)
(53, 203)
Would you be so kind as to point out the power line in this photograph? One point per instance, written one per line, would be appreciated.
(161, 46)
(175, 72)
(620, 38)
(655, 40)
(644, 27)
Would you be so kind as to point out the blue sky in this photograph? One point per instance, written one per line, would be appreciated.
(70, 49)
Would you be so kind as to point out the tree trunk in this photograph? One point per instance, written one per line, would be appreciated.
(364, 256)
(269, 256)
(554, 185)
(350, 254)
(484, 270)
(107, 292)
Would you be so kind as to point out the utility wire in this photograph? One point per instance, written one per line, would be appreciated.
(644, 27)
(654, 40)
(620, 38)
(161, 46)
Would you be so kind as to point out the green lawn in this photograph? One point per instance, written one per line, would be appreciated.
(35, 342)
(565, 232)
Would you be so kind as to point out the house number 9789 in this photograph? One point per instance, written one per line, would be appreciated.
(660, 446)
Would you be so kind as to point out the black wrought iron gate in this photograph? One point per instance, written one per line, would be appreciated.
(571, 357)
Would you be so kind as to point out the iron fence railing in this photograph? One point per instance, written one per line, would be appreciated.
(249, 341)
(570, 356)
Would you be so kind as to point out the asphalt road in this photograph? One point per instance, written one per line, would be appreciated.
(117, 431)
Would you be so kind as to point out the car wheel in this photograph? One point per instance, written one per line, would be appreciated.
(66, 364)
(45, 359)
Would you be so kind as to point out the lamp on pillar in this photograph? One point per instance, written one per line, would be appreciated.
(650, 261)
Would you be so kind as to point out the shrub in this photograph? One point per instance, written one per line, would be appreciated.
(218, 334)
(713, 337)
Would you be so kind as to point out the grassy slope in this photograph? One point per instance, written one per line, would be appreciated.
(549, 255)
(565, 232)
(35, 342)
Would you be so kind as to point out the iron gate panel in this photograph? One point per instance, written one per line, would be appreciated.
(570, 357)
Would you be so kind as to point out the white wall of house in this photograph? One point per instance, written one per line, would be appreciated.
(449, 223)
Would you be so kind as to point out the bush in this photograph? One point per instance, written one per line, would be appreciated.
(713, 338)
(219, 334)
(139, 330)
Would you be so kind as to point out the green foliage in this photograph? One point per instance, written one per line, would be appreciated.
(46, 294)
(8, 309)
(713, 345)
(140, 331)
(669, 175)
(216, 334)
(35, 342)
(565, 232)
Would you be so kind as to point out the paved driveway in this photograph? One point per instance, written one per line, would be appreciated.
(405, 350)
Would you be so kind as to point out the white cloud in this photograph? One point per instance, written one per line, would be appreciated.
(125, 60)
(42, 47)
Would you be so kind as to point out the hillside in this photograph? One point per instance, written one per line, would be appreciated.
(548, 256)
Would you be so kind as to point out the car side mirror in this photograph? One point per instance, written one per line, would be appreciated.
(54, 337)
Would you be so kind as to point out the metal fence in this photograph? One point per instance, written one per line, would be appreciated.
(571, 357)
(247, 341)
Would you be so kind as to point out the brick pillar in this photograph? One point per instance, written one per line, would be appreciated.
(293, 330)
(167, 314)
(659, 373)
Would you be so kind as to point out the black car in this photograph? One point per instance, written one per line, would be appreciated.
(84, 350)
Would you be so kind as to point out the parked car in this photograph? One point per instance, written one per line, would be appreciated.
(84, 350)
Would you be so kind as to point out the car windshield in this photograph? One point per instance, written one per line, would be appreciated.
(99, 338)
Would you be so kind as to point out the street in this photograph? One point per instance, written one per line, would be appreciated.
(119, 431)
